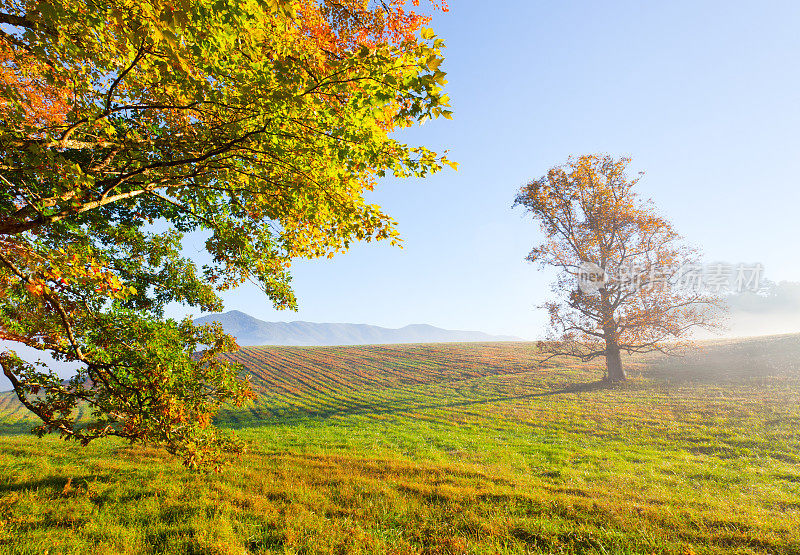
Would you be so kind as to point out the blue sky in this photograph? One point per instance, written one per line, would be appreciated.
(704, 96)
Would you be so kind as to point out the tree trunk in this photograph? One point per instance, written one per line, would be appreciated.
(614, 362)
(611, 335)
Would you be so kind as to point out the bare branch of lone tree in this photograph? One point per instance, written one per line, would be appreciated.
(595, 223)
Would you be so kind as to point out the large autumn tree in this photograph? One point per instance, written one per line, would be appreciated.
(622, 284)
(256, 125)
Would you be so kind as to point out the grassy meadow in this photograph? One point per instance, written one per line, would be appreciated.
(450, 448)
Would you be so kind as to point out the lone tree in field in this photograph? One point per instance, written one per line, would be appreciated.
(625, 276)
(126, 124)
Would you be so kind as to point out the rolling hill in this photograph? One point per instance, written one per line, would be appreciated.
(448, 448)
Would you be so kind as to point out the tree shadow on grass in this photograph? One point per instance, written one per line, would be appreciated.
(263, 417)
(54, 483)
(16, 428)
(57, 485)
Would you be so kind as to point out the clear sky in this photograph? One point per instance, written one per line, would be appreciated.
(704, 96)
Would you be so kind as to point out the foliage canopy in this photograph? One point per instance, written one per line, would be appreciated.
(125, 125)
(593, 220)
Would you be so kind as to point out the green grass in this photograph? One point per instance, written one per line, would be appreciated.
(446, 449)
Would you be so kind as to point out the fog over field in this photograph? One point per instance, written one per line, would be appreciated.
(773, 310)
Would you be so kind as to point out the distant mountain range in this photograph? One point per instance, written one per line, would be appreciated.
(252, 331)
